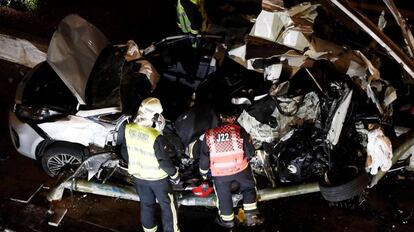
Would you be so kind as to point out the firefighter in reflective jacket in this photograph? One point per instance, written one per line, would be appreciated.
(226, 150)
(191, 16)
(147, 153)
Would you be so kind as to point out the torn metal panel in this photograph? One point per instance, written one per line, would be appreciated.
(77, 130)
(273, 5)
(307, 110)
(378, 36)
(280, 27)
(355, 69)
(382, 22)
(390, 96)
(379, 150)
(272, 72)
(338, 119)
(304, 13)
(324, 49)
(406, 32)
(269, 25)
(239, 55)
(293, 59)
(368, 81)
(72, 52)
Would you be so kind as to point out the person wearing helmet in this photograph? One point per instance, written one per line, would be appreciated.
(191, 16)
(225, 151)
(148, 155)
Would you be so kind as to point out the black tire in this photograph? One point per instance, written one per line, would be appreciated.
(344, 189)
(61, 154)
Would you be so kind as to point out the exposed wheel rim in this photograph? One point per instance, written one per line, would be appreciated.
(57, 162)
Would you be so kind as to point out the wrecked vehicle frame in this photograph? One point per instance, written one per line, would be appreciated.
(275, 131)
(336, 118)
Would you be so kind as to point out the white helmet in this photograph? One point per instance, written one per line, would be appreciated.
(149, 113)
(149, 107)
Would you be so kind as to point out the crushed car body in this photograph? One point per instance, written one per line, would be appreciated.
(320, 111)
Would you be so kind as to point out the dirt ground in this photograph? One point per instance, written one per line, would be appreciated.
(389, 205)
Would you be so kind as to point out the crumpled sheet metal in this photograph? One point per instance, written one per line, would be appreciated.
(379, 150)
(20, 51)
(273, 5)
(357, 66)
(272, 25)
(77, 130)
(308, 111)
(373, 79)
(73, 50)
(405, 28)
(365, 24)
(339, 118)
(281, 27)
(238, 54)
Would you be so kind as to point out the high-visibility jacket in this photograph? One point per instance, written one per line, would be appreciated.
(142, 162)
(191, 15)
(226, 150)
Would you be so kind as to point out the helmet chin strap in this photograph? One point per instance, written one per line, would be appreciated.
(158, 123)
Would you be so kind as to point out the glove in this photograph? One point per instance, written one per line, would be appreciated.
(176, 181)
(149, 70)
(159, 122)
(204, 176)
(133, 51)
(379, 151)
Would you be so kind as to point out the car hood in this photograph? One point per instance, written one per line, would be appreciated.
(72, 52)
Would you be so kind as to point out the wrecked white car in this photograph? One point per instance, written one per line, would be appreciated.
(70, 105)
(322, 114)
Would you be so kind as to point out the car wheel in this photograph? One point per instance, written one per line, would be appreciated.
(343, 184)
(61, 155)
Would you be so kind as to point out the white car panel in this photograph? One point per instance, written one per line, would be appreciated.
(89, 113)
(28, 138)
(78, 130)
(73, 50)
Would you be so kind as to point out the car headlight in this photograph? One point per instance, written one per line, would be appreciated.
(36, 113)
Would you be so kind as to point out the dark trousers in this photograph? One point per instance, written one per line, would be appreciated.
(149, 192)
(222, 186)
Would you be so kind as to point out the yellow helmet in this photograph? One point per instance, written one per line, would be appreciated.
(149, 107)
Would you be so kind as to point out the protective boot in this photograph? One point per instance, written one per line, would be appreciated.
(253, 218)
(226, 224)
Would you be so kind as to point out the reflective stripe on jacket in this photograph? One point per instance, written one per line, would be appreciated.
(140, 144)
(198, 19)
(226, 150)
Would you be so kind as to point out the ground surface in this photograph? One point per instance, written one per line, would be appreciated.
(389, 206)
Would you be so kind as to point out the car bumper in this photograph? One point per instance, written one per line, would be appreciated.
(25, 139)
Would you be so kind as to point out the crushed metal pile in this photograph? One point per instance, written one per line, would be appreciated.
(321, 100)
